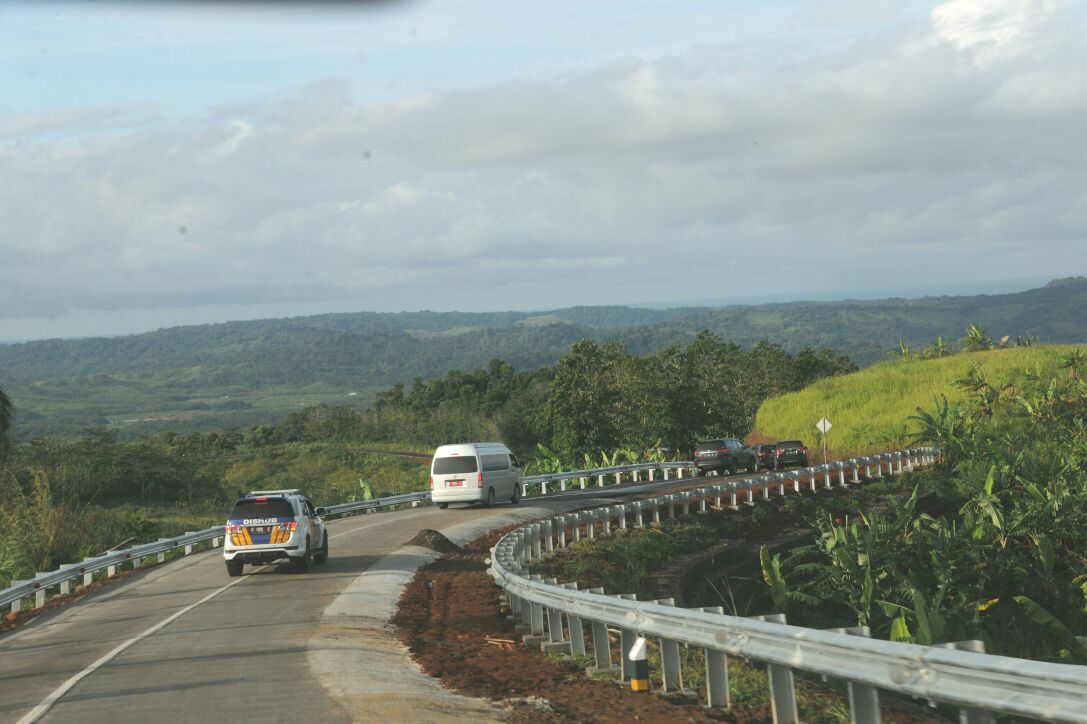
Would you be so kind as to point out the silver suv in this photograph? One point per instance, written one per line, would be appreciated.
(271, 525)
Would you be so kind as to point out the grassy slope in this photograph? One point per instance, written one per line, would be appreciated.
(869, 408)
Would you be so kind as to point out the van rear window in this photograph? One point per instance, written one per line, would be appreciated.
(265, 508)
(455, 466)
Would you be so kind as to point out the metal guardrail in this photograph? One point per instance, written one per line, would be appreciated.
(601, 475)
(958, 674)
(61, 579)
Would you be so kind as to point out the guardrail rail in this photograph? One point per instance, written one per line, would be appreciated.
(959, 674)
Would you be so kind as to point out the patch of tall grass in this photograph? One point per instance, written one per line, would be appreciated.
(870, 409)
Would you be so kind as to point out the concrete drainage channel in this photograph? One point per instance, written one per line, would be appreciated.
(554, 616)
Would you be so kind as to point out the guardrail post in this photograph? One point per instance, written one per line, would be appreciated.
(717, 694)
(969, 714)
(686, 503)
(672, 670)
(550, 546)
(188, 548)
(623, 516)
(600, 481)
(863, 699)
(607, 521)
(666, 471)
(702, 495)
(39, 598)
(601, 645)
(573, 625)
(627, 637)
(651, 471)
(577, 527)
(898, 462)
(111, 571)
(750, 490)
(826, 476)
(841, 474)
(88, 577)
(733, 503)
(17, 604)
(536, 550)
(543, 487)
(782, 691)
(562, 530)
(634, 473)
(856, 478)
(618, 478)
(65, 587)
(590, 524)
(656, 510)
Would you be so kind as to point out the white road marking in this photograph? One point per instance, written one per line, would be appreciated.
(40, 710)
(364, 527)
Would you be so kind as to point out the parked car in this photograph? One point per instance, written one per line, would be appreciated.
(272, 525)
(724, 455)
(790, 452)
(475, 472)
(764, 453)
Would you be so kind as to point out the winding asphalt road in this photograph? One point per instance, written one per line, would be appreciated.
(185, 643)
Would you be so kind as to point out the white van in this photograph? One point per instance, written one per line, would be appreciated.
(474, 472)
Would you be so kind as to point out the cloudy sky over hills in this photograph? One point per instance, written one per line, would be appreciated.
(168, 163)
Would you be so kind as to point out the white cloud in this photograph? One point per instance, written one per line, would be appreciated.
(993, 29)
(680, 177)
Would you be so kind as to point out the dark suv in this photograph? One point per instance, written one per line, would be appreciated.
(790, 452)
(724, 455)
(764, 454)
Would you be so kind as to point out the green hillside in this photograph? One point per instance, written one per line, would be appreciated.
(207, 377)
(869, 409)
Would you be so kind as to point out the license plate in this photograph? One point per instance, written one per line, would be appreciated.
(260, 530)
(455, 483)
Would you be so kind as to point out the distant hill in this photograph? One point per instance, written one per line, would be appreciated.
(243, 373)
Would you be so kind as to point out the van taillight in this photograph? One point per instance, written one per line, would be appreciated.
(432, 482)
(479, 480)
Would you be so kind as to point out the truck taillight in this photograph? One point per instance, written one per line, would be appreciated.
(780, 450)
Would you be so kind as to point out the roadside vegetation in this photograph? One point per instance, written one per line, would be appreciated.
(871, 410)
(988, 545)
(72, 497)
(67, 499)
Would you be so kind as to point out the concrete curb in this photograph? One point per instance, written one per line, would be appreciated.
(358, 659)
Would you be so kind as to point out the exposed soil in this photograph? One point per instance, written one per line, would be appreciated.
(450, 618)
(435, 541)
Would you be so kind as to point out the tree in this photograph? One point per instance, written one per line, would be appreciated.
(6, 410)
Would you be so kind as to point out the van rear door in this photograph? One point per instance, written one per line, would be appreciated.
(455, 472)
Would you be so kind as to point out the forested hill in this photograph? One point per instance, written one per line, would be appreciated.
(241, 373)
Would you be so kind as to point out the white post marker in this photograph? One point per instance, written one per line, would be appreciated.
(824, 427)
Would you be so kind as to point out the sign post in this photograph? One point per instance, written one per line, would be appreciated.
(824, 427)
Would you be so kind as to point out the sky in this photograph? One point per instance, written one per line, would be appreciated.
(167, 163)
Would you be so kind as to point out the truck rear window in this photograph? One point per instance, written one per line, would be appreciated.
(455, 466)
(262, 508)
